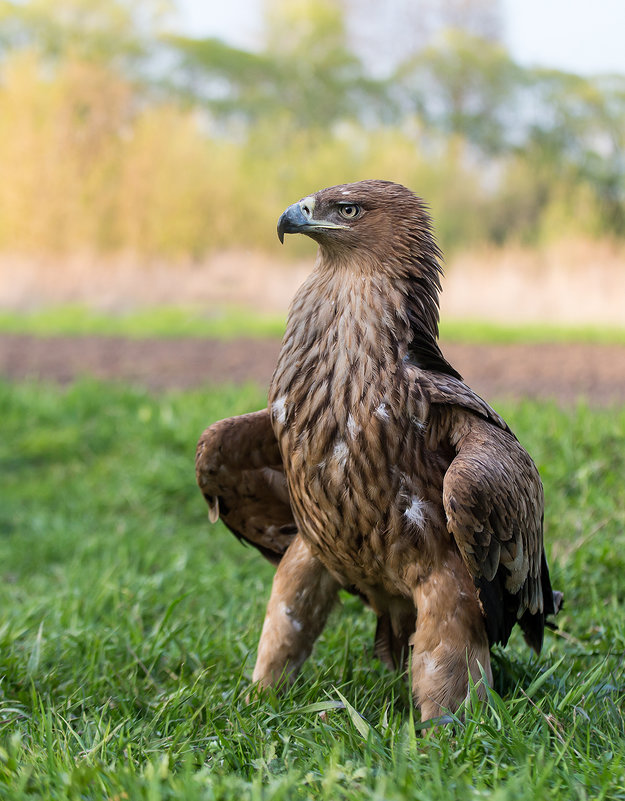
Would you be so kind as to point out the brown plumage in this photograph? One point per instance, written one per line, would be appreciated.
(375, 468)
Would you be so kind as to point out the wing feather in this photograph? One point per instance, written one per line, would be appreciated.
(240, 473)
(493, 500)
(450, 391)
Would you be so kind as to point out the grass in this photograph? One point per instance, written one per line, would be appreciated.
(128, 628)
(169, 322)
(231, 323)
(479, 332)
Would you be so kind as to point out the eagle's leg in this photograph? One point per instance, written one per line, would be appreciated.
(450, 640)
(302, 596)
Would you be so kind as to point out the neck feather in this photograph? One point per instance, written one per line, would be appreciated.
(403, 290)
(353, 305)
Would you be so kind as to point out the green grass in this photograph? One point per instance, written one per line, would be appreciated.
(128, 628)
(231, 323)
(166, 321)
(480, 332)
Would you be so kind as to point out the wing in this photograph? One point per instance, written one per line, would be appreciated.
(493, 500)
(448, 391)
(425, 353)
(239, 471)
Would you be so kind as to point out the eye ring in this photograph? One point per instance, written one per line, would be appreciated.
(349, 210)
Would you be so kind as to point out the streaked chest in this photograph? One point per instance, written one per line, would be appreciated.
(352, 436)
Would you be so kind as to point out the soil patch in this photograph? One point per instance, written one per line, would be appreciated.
(565, 373)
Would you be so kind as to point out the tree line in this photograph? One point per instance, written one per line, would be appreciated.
(116, 135)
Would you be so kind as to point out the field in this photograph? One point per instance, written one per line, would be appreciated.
(128, 626)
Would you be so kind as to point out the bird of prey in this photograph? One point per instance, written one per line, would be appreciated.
(376, 469)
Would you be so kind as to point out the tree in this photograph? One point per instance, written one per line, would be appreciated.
(388, 34)
(114, 32)
(305, 71)
(466, 86)
(577, 133)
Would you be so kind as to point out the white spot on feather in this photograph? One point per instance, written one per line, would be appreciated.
(341, 452)
(278, 409)
(430, 665)
(382, 412)
(345, 192)
(419, 424)
(286, 610)
(415, 513)
(352, 427)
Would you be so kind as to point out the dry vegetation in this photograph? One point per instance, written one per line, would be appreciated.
(114, 202)
(573, 281)
(576, 282)
(123, 186)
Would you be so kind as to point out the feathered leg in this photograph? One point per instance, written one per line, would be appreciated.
(302, 596)
(450, 640)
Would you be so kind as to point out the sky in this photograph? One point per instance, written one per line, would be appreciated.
(582, 36)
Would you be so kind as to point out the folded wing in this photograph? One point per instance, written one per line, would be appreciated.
(493, 499)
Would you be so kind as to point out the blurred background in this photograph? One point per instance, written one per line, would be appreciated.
(148, 147)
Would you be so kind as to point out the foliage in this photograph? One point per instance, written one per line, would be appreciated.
(128, 628)
(115, 136)
(85, 168)
(110, 32)
(465, 87)
(306, 73)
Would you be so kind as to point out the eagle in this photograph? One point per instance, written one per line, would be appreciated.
(376, 469)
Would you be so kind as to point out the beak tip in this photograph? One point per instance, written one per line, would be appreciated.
(281, 228)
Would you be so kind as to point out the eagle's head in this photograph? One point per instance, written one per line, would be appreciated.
(380, 218)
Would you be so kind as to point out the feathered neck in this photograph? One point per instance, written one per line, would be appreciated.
(406, 283)
(381, 306)
(356, 301)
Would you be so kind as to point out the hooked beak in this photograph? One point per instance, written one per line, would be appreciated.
(299, 219)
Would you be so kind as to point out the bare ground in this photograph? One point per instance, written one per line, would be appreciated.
(562, 372)
(574, 282)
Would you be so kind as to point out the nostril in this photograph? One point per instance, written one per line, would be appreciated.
(306, 210)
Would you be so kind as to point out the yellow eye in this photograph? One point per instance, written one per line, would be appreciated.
(349, 210)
